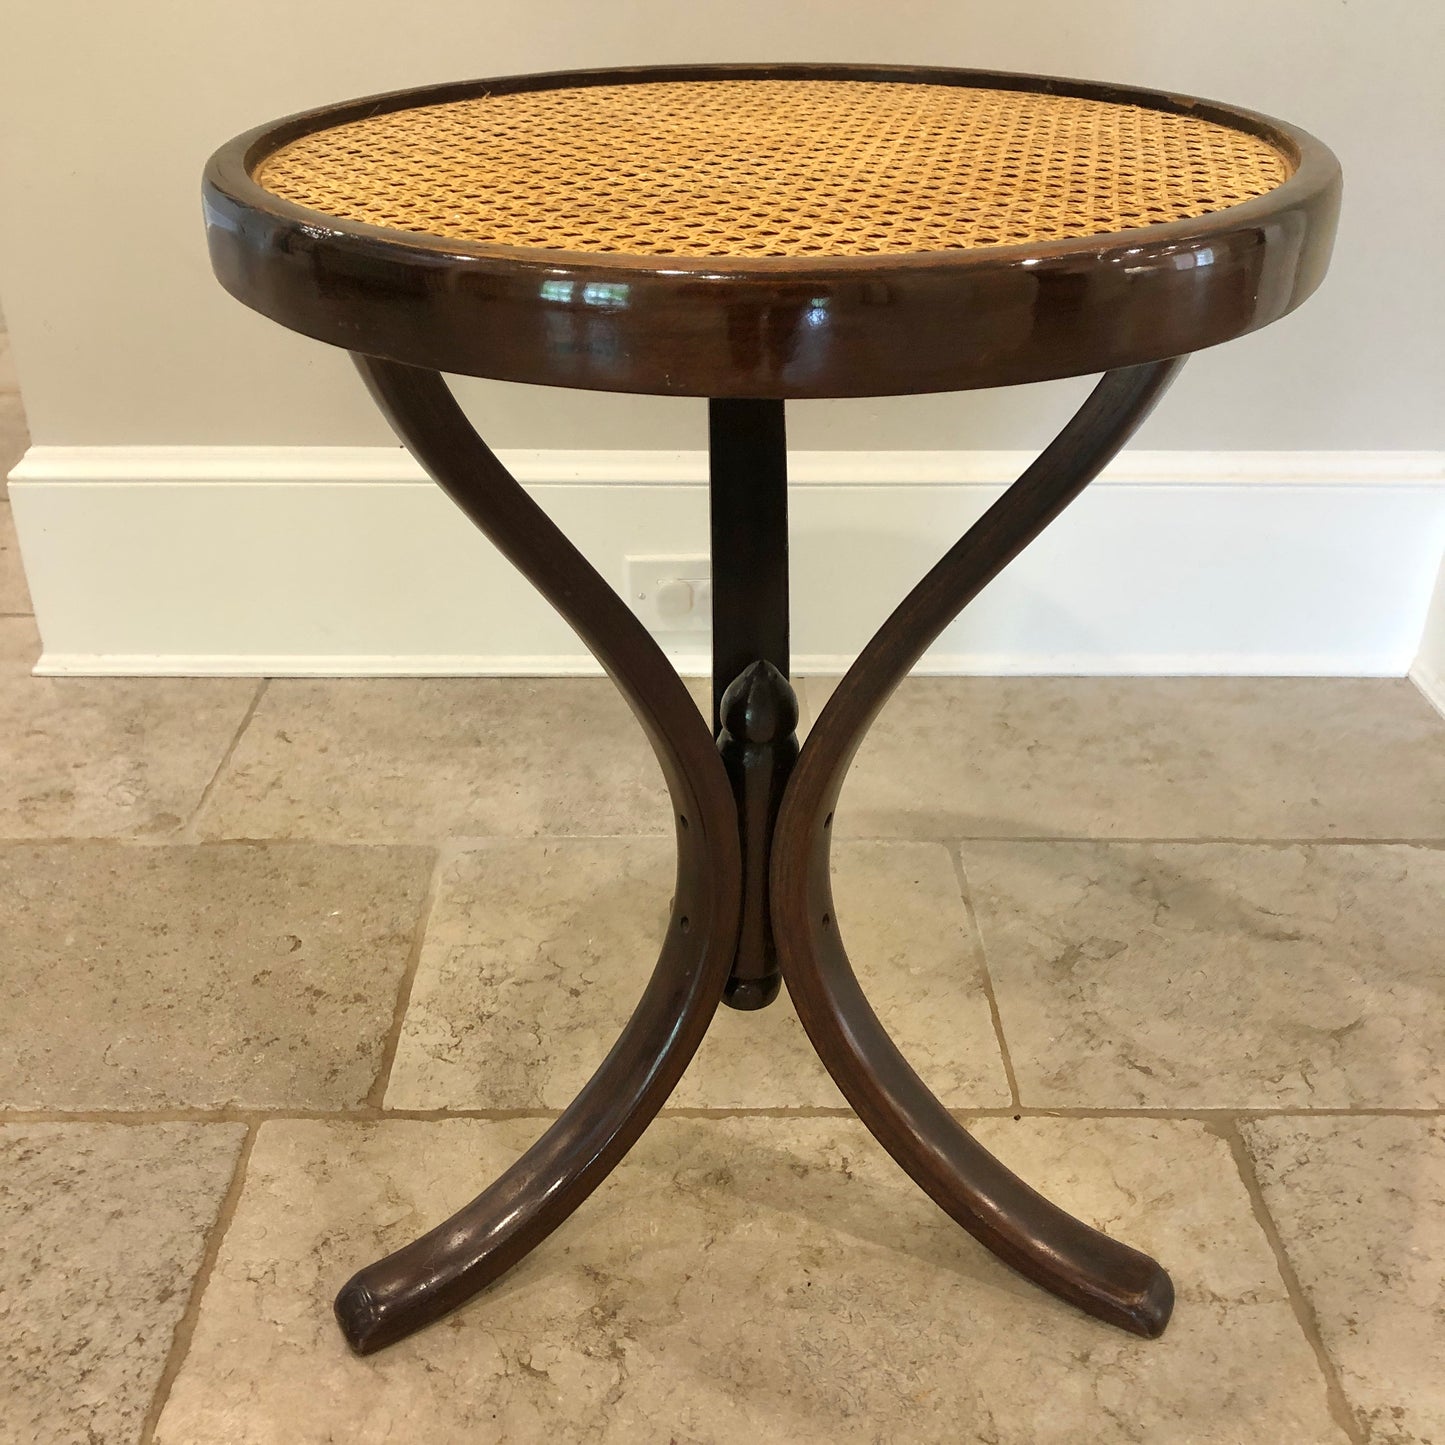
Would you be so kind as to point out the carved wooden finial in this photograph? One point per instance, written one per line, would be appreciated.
(759, 706)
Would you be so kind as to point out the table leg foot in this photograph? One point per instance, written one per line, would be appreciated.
(424, 1280)
(751, 994)
(1105, 1278)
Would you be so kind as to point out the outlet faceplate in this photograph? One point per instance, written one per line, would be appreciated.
(671, 594)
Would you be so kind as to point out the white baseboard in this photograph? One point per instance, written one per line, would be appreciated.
(1431, 683)
(1428, 673)
(696, 664)
(346, 561)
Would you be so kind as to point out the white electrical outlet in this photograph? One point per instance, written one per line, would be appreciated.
(671, 594)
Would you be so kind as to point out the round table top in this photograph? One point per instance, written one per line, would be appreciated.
(773, 231)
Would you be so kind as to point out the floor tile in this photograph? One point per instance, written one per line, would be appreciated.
(1217, 975)
(106, 757)
(14, 594)
(1149, 758)
(761, 1280)
(537, 952)
(14, 437)
(1360, 1205)
(428, 758)
(142, 977)
(104, 1227)
(9, 377)
(699, 689)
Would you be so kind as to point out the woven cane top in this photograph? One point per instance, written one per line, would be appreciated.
(772, 167)
(773, 230)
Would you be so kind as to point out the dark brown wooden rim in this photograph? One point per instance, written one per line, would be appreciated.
(775, 326)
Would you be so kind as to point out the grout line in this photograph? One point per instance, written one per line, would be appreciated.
(186, 1326)
(454, 843)
(1222, 1114)
(16, 614)
(956, 857)
(357, 1114)
(1174, 839)
(187, 833)
(461, 842)
(369, 1113)
(176, 840)
(377, 1093)
(1304, 1311)
(781, 1111)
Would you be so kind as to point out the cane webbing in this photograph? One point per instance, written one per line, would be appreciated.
(748, 168)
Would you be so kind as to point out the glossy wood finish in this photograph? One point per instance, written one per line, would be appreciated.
(1099, 1275)
(753, 816)
(754, 708)
(731, 831)
(419, 1283)
(748, 515)
(775, 327)
(759, 747)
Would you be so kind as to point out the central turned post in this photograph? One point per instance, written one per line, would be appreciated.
(754, 710)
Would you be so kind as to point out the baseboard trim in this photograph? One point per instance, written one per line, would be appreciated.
(348, 466)
(696, 664)
(277, 561)
(1432, 684)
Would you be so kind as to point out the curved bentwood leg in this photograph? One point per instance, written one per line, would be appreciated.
(1098, 1274)
(419, 1283)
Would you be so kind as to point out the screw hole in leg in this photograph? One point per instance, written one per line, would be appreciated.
(682, 821)
(685, 923)
(827, 920)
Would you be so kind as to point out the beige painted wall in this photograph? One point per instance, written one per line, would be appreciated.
(108, 111)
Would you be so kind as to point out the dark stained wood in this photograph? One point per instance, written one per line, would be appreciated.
(748, 516)
(753, 705)
(759, 746)
(775, 327)
(434, 1274)
(753, 816)
(1077, 1263)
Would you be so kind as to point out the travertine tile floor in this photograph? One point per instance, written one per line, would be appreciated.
(14, 438)
(290, 969)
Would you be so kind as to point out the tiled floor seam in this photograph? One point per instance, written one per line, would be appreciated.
(365, 1114)
(976, 929)
(188, 830)
(371, 1114)
(453, 843)
(1304, 1312)
(462, 842)
(186, 1325)
(376, 1095)
(1191, 840)
(178, 840)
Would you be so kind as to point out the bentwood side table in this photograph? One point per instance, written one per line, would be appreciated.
(750, 234)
